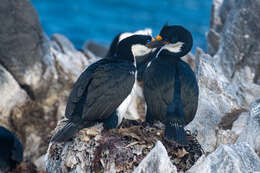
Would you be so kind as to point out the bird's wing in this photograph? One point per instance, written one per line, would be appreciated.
(111, 84)
(189, 91)
(158, 87)
(78, 92)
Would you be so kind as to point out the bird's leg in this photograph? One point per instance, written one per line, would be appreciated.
(174, 124)
(175, 132)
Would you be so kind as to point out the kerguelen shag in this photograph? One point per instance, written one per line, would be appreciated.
(102, 93)
(11, 150)
(143, 57)
(170, 86)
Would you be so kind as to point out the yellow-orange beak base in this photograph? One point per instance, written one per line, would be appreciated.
(159, 38)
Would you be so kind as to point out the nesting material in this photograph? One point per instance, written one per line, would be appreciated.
(117, 150)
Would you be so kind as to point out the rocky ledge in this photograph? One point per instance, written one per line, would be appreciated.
(38, 73)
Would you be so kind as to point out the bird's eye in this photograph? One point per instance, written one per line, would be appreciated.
(149, 40)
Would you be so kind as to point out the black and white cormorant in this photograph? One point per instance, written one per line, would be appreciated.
(170, 86)
(11, 150)
(102, 93)
(143, 57)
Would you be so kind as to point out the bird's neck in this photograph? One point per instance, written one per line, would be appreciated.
(171, 56)
(172, 59)
(126, 54)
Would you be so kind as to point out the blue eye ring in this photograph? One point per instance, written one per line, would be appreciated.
(149, 40)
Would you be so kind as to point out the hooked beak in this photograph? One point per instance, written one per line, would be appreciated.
(158, 42)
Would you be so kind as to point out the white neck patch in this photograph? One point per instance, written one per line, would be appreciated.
(140, 50)
(174, 48)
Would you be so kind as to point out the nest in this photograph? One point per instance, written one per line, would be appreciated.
(120, 149)
(133, 140)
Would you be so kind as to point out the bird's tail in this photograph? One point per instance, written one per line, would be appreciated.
(175, 132)
(66, 133)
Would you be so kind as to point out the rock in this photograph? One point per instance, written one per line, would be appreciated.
(213, 42)
(97, 49)
(156, 161)
(26, 167)
(228, 158)
(23, 51)
(26, 73)
(219, 12)
(190, 59)
(40, 164)
(251, 134)
(12, 95)
(75, 156)
(239, 125)
(216, 99)
(69, 62)
(238, 54)
(38, 74)
(219, 101)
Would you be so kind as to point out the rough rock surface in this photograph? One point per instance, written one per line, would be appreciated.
(156, 161)
(12, 95)
(22, 49)
(219, 12)
(225, 96)
(34, 121)
(97, 49)
(217, 99)
(251, 134)
(236, 24)
(69, 62)
(228, 158)
(37, 73)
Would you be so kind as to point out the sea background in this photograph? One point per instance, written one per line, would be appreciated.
(101, 20)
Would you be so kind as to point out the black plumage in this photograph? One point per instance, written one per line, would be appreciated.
(113, 46)
(141, 61)
(170, 86)
(11, 150)
(101, 89)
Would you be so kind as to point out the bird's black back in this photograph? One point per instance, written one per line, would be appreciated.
(100, 89)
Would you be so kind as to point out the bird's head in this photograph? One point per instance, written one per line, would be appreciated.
(173, 40)
(133, 46)
(123, 35)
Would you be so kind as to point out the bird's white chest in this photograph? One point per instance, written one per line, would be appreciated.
(121, 110)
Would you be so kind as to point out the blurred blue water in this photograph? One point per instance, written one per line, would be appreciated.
(101, 20)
